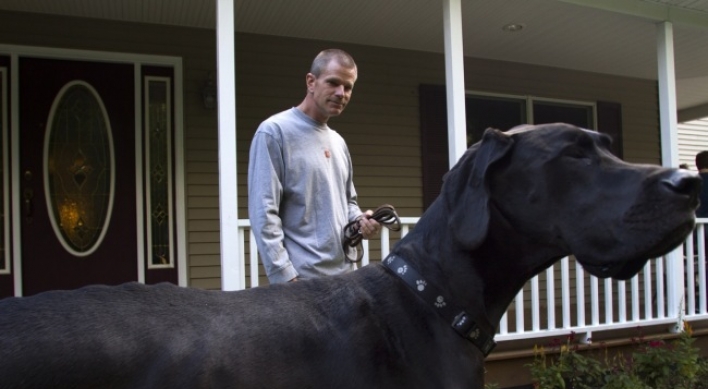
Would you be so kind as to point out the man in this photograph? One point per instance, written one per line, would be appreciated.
(300, 188)
(702, 165)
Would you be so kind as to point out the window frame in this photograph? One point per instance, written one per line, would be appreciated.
(530, 99)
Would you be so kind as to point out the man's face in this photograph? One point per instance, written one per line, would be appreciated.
(332, 90)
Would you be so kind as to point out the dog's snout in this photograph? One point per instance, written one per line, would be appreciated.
(683, 182)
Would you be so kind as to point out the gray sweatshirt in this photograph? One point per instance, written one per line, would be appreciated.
(300, 196)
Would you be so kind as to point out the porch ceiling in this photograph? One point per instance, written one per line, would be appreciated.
(604, 36)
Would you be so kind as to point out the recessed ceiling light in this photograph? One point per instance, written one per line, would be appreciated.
(513, 27)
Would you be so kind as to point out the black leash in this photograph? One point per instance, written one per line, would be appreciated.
(385, 215)
(460, 320)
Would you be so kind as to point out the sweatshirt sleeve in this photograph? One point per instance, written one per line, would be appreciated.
(353, 206)
(265, 190)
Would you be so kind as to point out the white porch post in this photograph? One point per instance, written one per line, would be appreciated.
(232, 267)
(455, 80)
(667, 95)
(669, 156)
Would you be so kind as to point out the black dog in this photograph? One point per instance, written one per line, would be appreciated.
(515, 203)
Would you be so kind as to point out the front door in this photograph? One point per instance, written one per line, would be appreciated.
(77, 174)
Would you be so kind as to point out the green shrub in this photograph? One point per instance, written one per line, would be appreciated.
(653, 364)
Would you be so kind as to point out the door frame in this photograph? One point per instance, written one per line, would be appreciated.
(138, 61)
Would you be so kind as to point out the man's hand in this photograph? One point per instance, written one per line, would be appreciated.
(369, 227)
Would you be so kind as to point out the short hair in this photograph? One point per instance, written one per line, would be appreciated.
(702, 160)
(326, 56)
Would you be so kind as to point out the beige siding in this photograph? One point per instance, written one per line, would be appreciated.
(692, 139)
(380, 125)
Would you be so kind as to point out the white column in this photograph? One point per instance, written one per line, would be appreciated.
(455, 80)
(669, 157)
(667, 95)
(232, 266)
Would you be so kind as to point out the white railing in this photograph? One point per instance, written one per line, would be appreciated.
(565, 298)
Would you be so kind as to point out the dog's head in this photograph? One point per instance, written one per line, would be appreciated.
(560, 186)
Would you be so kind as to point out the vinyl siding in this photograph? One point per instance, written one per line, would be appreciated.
(692, 139)
(381, 125)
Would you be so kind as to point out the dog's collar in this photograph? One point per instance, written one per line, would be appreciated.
(461, 321)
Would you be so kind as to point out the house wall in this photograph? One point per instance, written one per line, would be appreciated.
(692, 139)
(197, 48)
(380, 125)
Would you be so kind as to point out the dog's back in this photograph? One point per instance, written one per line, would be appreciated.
(329, 331)
(50, 339)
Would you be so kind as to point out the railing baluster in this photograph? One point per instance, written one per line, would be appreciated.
(504, 324)
(565, 291)
(690, 276)
(385, 240)
(636, 312)
(535, 305)
(701, 239)
(622, 302)
(519, 310)
(253, 251)
(580, 294)
(660, 291)
(241, 284)
(551, 297)
(595, 300)
(609, 301)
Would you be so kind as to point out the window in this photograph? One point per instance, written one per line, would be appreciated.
(503, 112)
(158, 147)
(158, 171)
(579, 114)
(497, 112)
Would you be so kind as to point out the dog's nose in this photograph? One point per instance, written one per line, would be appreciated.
(683, 182)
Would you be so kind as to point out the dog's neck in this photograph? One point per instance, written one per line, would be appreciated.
(472, 326)
(508, 258)
(428, 250)
(483, 280)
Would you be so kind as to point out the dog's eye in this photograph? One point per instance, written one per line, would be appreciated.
(574, 152)
(605, 141)
(578, 155)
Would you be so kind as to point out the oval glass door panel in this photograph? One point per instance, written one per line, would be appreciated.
(79, 168)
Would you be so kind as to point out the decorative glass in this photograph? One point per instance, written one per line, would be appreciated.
(79, 168)
(159, 172)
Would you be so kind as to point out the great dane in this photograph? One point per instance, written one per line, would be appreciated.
(424, 318)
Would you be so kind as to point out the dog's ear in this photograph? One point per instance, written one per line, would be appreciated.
(466, 190)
